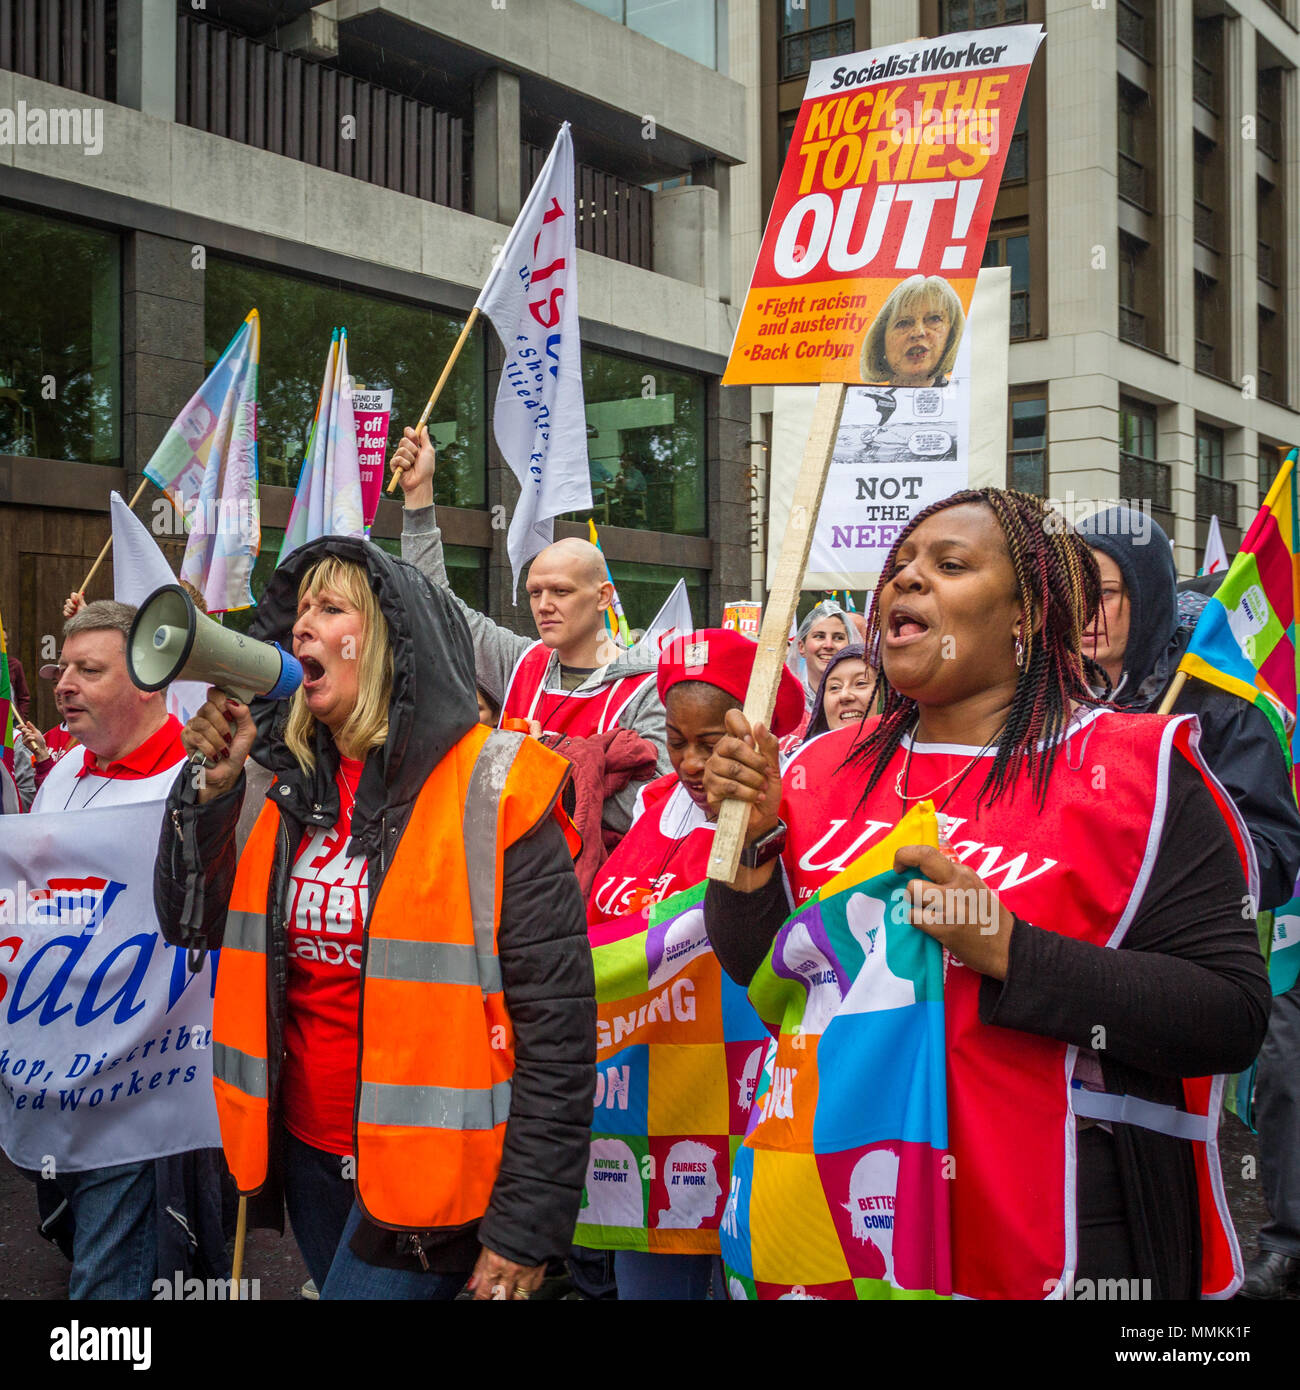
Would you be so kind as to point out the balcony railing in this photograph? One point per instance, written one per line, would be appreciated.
(1204, 83)
(1132, 28)
(1214, 497)
(615, 217)
(1016, 169)
(1206, 358)
(70, 43)
(1132, 180)
(1266, 133)
(1264, 262)
(800, 51)
(261, 96)
(1132, 326)
(1204, 224)
(1020, 313)
(1145, 480)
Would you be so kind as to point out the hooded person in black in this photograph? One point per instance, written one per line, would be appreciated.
(1237, 741)
(545, 961)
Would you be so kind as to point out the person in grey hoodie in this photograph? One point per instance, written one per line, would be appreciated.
(567, 680)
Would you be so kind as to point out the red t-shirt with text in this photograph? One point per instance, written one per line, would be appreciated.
(328, 896)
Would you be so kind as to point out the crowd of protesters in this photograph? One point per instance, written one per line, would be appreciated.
(468, 804)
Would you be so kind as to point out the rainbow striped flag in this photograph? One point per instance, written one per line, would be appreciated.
(615, 618)
(1245, 641)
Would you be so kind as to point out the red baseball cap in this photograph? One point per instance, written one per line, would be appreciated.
(723, 658)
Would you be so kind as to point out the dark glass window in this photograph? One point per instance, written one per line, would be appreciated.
(956, 15)
(61, 346)
(643, 589)
(1209, 451)
(1141, 476)
(390, 344)
(645, 445)
(1012, 249)
(1270, 465)
(1027, 464)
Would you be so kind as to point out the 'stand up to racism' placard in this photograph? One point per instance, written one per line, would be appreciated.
(878, 227)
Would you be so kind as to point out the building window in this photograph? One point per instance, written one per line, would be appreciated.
(1270, 465)
(643, 589)
(1142, 478)
(1206, 324)
(1206, 181)
(1132, 26)
(645, 445)
(466, 570)
(390, 345)
(785, 133)
(61, 349)
(1132, 323)
(1132, 108)
(957, 15)
(1016, 169)
(694, 28)
(1272, 356)
(1027, 431)
(1012, 249)
(1214, 497)
(812, 30)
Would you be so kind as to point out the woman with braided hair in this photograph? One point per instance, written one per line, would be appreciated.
(1100, 966)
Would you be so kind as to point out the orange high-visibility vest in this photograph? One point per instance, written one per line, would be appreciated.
(436, 1044)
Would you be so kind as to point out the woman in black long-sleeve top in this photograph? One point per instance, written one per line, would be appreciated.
(1074, 1106)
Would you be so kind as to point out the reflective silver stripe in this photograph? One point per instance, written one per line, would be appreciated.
(238, 1069)
(245, 931)
(433, 1107)
(482, 803)
(435, 962)
(1147, 1114)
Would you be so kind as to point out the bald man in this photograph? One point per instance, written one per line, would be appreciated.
(572, 680)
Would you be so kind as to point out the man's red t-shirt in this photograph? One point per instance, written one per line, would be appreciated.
(328, 896)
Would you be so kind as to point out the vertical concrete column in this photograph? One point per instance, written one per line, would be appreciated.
(1290, 249)
(1083, 427)
(1241, 466)
(1175, 28)
(162, 341)
(728, 495)
(146, 56)
(1176, 446)
(746, 213)
(497, 156)
(1240, 205)
(895, 22)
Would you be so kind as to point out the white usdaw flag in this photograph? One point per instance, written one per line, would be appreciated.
(140, 568)
(673, 618)
(1216, 557)
(531, 298)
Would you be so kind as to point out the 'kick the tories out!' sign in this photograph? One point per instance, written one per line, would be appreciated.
(105, 1036)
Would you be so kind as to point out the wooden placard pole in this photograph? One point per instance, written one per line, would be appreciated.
(442, 381)
(1174, 691)
(99, 559)
(774, 636)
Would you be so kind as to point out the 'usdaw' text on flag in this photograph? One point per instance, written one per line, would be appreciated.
(531, 297)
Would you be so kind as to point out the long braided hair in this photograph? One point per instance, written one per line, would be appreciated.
(1057, 583)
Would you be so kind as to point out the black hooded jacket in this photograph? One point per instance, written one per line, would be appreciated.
(542, 940)
(1237, 741)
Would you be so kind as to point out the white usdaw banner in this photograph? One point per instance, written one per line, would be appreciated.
(105, 1036)
(531, 298)
(140, 569)
(898, 449)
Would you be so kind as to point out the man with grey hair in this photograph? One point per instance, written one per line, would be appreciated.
(129, 750)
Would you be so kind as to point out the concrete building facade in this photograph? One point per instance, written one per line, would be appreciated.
(1149, 216)
(359, 163)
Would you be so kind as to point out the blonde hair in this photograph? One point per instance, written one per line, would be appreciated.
(909, 294)
(367, 726)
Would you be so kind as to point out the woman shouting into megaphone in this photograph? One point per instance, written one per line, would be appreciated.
(404, 1026)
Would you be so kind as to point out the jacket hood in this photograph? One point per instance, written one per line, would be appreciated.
(433, 704)
(1140, 547)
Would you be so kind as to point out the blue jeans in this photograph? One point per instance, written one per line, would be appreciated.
(318, 1198)
(683, 1278)
(352, 1278)
(115, 1243)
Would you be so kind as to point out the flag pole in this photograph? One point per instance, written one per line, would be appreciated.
(1172, 694)
(241, 1233)
(442, 381)
(99, 559)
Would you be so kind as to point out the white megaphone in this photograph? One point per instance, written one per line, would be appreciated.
(171, 640)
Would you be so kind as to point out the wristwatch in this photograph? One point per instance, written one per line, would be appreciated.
(766, 847)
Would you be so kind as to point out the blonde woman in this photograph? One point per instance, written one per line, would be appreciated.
(404, 1026)
(913, 339)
